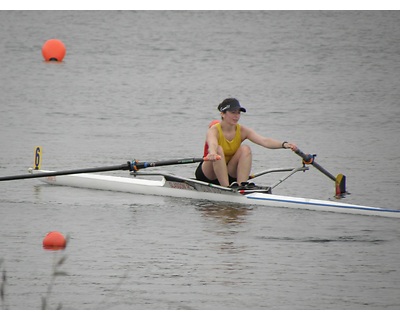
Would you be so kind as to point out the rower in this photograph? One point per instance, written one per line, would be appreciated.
(224, 139)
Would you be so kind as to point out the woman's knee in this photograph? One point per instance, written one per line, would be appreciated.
(245, 150)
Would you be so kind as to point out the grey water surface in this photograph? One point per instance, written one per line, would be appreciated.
(144, 85)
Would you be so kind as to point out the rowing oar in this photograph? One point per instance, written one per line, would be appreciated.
(130, 165)
(340, 179)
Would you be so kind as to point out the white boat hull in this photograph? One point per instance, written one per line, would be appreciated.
(198, 190)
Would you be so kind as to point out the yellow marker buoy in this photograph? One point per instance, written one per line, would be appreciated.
(38, 158)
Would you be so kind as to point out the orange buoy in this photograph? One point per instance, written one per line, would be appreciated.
(54, 241)
(53, 50)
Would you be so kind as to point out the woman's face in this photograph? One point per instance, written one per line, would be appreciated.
(231, 117)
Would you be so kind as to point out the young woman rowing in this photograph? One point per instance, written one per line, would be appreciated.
(230, 163)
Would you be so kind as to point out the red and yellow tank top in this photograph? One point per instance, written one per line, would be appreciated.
(229, 147)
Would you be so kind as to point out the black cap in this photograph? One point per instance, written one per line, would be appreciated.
(230, 104)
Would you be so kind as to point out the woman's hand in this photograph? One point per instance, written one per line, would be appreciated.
(212, 157)
(289, 145)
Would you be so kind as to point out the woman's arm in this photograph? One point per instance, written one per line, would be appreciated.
(270, 143)
(212, 141)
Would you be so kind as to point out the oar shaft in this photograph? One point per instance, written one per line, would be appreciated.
(316, 165)
(141, 165)
(130, 165)
(309, 159)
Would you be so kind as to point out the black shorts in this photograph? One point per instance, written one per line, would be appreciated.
(201, 176)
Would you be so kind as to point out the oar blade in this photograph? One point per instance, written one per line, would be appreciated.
(340, 185)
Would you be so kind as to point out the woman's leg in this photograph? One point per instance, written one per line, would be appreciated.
(240, 164)
(217, 169)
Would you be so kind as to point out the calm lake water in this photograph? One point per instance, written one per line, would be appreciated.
(144, 85)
